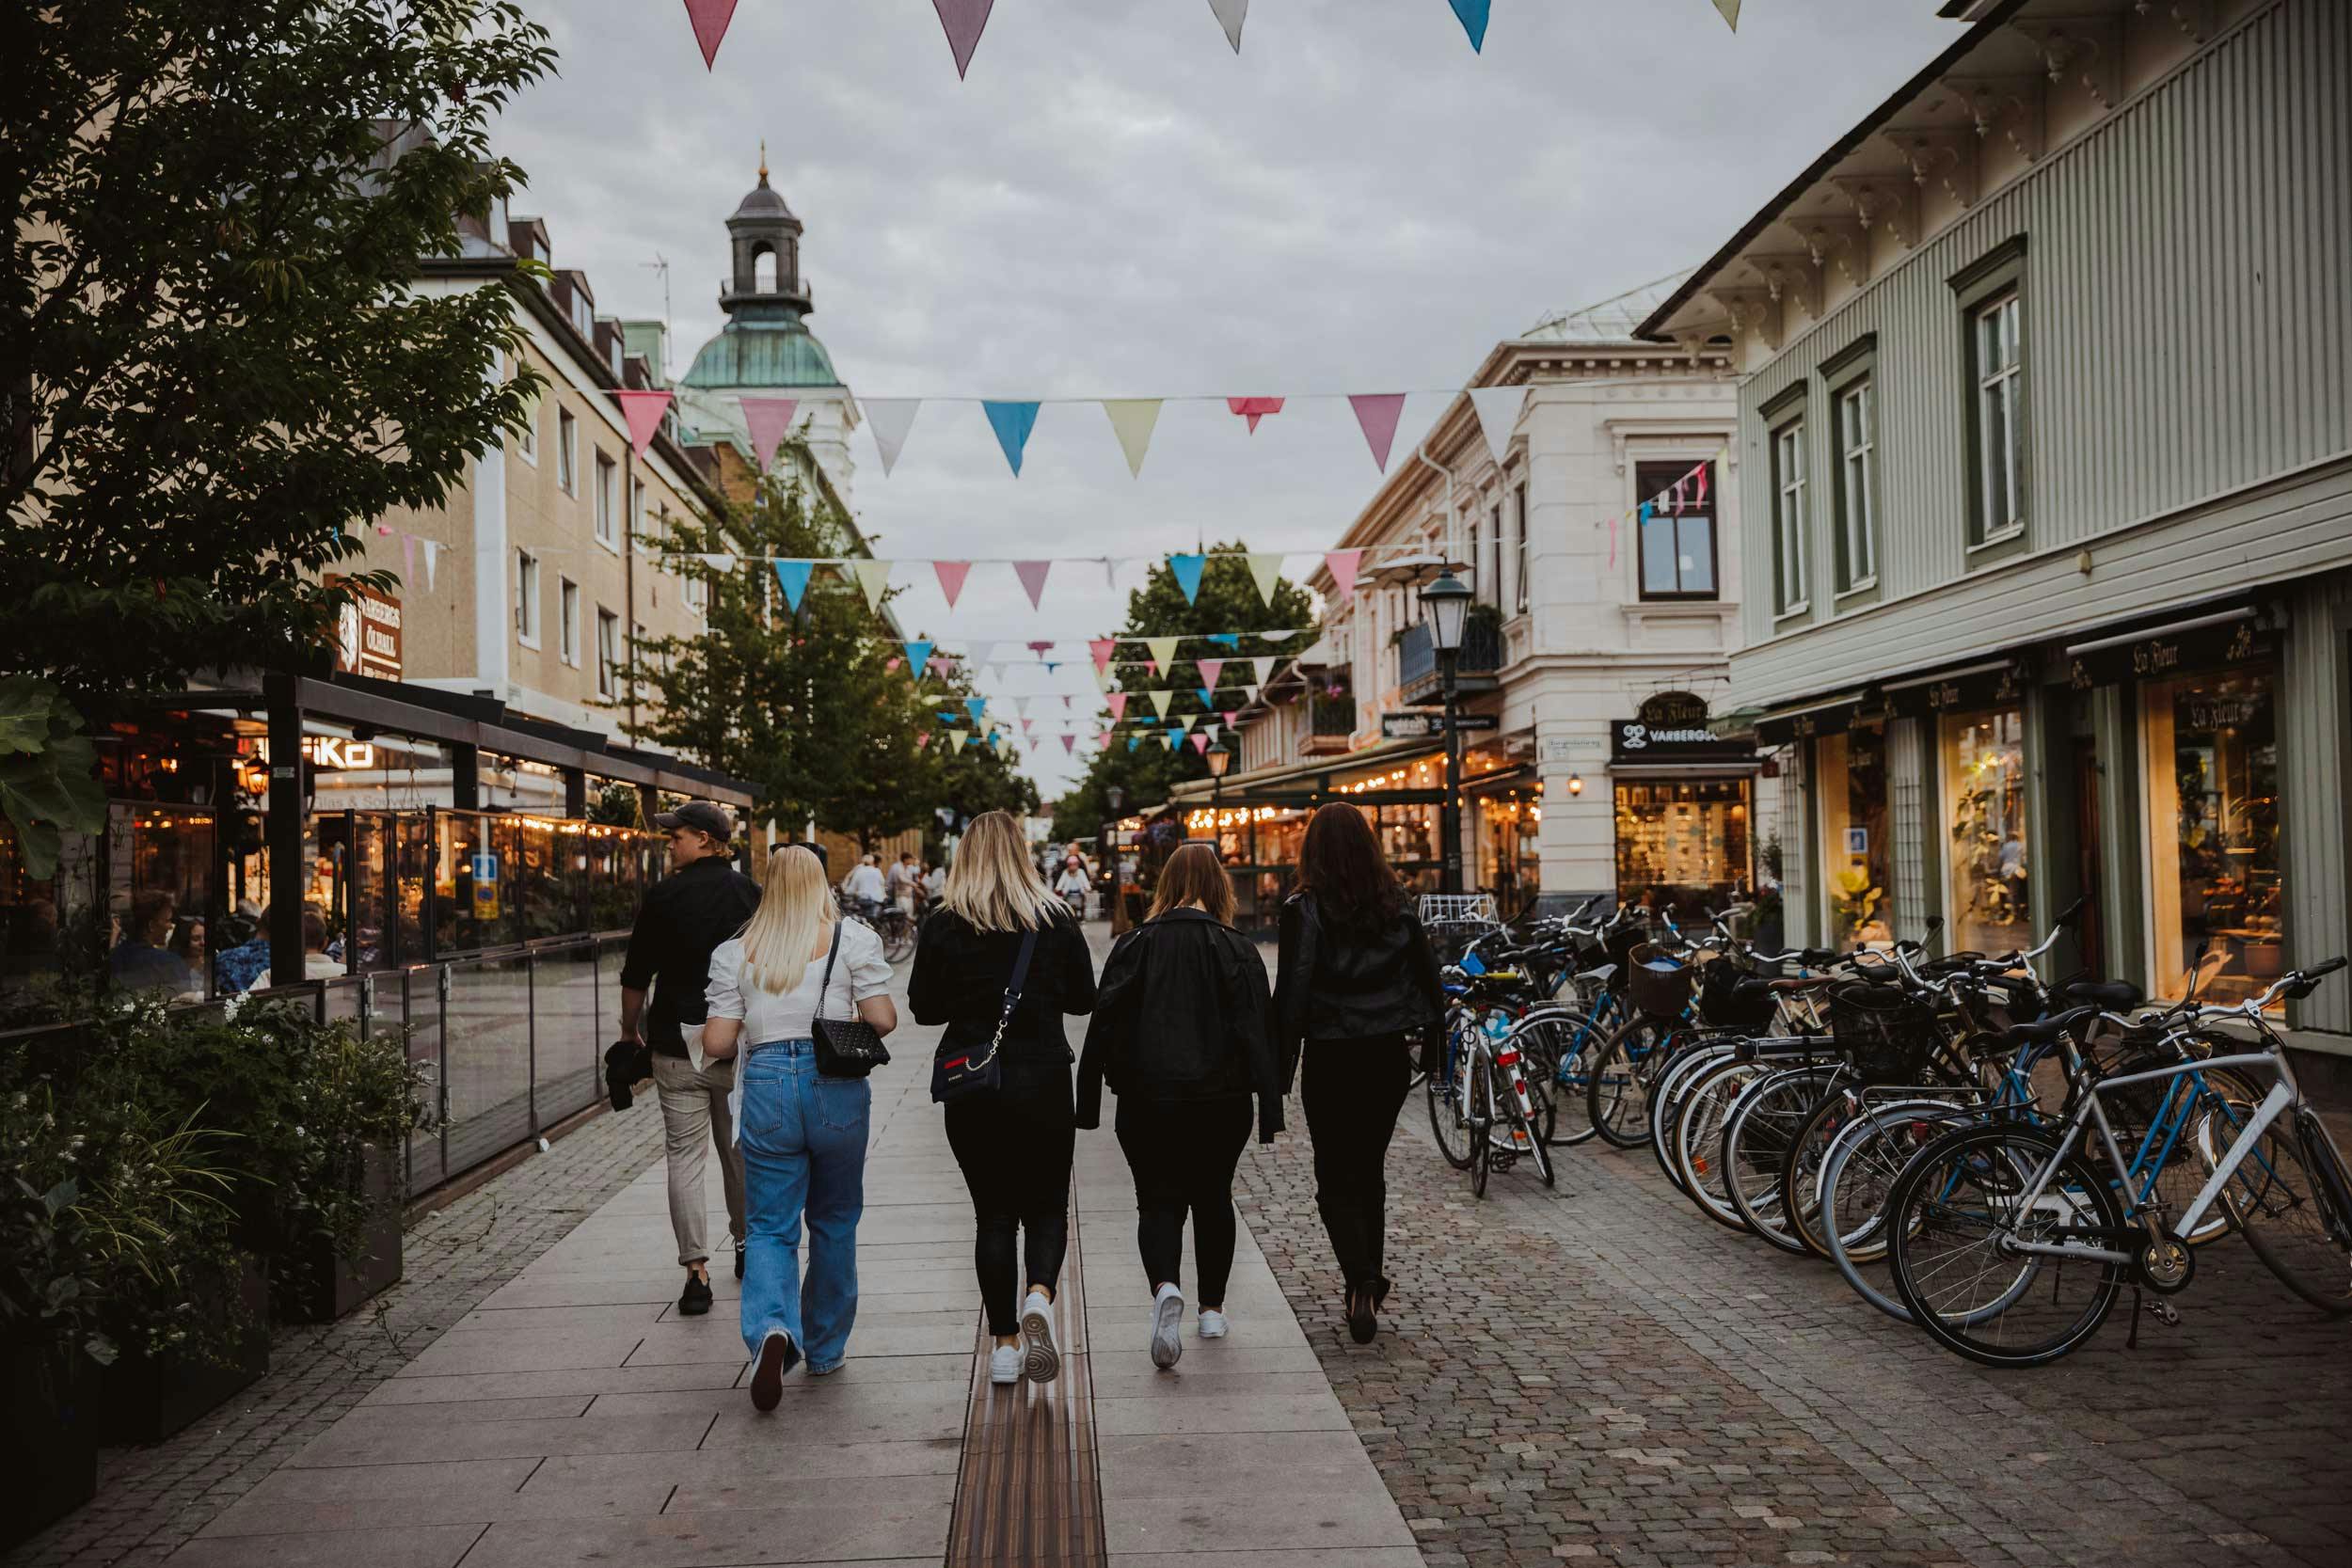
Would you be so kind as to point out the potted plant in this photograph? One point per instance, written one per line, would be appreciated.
(340, 1232)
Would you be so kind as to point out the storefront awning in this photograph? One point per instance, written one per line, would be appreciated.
(1780, 725)
(1739, 768)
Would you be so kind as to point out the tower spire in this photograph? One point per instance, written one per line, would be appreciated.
(763, 160)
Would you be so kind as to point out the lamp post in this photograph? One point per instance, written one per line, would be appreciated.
(1115, 899)
(1446, 603)
(1219, 758)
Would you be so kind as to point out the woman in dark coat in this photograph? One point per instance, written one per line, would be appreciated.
(1180, 1034)
(1356, 987)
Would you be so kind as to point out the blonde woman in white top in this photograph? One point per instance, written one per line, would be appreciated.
(803, 1135)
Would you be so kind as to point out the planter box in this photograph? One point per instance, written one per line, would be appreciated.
(48, 1437)
(146, 1400)
(322, 1286)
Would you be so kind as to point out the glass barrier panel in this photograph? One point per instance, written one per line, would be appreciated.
(488, 1017)
(419, 1002)
(568, 1062)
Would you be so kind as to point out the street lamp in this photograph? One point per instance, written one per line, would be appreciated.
(1115, 896)
(1219, 758)
(1447, 603)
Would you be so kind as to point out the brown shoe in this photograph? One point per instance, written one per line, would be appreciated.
(778, 1356)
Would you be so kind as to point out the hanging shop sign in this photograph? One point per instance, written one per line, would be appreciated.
(1674, 710)
(1639, 740)
(367, 632)
(1431, 726)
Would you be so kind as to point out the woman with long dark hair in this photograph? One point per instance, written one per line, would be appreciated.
(1180, 1034)
(1358, 982)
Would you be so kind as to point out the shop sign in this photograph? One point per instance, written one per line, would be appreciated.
(1431, 726)
(1982, 689)
(2156, 657)
(1571, 748)
(1674, 710)
(367, 632)
(485, 887)
(1638, 740)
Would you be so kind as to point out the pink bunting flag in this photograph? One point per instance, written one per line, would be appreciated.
(709, 19)
(1103, 648)
(1070, 744)
(1032, 576)
(1228, 721)
(952, 575)
(1200, 742)
(1118, 701)
(768, 420)
(644, 411)
(1041, 648)
(1702, 471)
(1343, 565)
(964, 20)
(892, 668)
(1376, 413)
(1210, 669)
(922, 739)
(1254, 409)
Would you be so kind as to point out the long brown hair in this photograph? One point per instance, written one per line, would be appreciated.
(1194, 875)
(1342, 865)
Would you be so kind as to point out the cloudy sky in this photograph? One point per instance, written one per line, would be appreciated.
(1115, 205)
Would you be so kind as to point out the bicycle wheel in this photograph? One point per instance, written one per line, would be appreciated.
(1760, 1138)
(2289, 1196)
(1556, 1045)
(1698, 1137)
(1524, 1113)
(1480, 1122)
(1617, 1099)
(897, 934)
(1801, 1173)
(1858, 1172)
(1952, 1218)
(1444, 1090)
(1675, 1080)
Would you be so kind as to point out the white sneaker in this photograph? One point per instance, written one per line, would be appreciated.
(1004, 1365)
(1167, 1319)
(1212, 1323)
(1043, 1362)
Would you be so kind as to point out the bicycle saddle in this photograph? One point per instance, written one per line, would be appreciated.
(2114, 996)
(2047, 1031)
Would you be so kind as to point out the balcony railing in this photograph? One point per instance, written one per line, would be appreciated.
(1330, 720)
(1475, 671)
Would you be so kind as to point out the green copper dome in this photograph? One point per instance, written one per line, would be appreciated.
(763, 353)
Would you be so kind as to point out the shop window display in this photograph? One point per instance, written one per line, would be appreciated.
(1984, 818)
(2215, 880)
(1856, 871)
(1684, 844)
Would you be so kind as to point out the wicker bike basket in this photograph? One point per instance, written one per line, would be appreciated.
(1728, 1001)
(1657, 986)
(1890, 1037)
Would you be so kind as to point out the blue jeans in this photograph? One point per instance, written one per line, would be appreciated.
(803, 1141)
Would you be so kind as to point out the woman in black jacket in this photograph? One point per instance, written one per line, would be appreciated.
(1180, 1034)
(1357, 981)
(1014, 1142)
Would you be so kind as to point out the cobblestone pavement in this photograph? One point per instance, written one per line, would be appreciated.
(150, 1500)
(1603, 1374)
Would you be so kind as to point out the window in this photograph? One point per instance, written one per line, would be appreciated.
(526, 598)
(638, 532)
(1677, 543)
(697, 593)
(1490, 563)
(608, 501)
(1984, 822)
(2000, 423)
(568, 625)
(1523, 509)
(1683, 844)
(1478, 559)
(1849, 781)
(1788, 517)
(608, 652)
(1857, 485)
(567, 452)
(2215, 878)
(527, 438)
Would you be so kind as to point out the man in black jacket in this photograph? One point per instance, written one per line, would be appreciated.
(686, 915)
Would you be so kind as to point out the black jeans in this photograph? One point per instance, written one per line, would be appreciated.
(1352, 1091)
(1014, 1145)
(1183, 1153)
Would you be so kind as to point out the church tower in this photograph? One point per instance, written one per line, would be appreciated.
(764, 229)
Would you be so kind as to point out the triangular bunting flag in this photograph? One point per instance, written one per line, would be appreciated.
(952, 575)
(1040, 649)
(977, 652)
(1251, 693)
(768, 420)
(1117, 701)
(1230, 14)
(1133, 421)
(1011, 422)
(1210, 730)
(1228, 719)
(1473, 18)
(709, 19)
(1343, 565)
(1376, 413)
(1103, 648)
(1729, 8)
(1263, 664)
(1266, 572)
(873, 577)
(1206, 695)
(1069, 743)
(918, 655)
(642, 410)
(1159, 701)
(1187, 570)
(1021, 705)
(1499, 415)
(1167, 743)
(1162, 651)
(964, 738)
(1185, 723)
(1210, 669)
(890, 419)
(1254, 409)
(976, 706)
(1200, 744)
(792, 577)
(431, 561)
(1133, 741)
(1226, 639)
(1286, 636)
(965, 20)
(922, 740)
(1032, 576)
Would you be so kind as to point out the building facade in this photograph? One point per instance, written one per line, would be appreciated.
(1598, 642)
(2046, 439)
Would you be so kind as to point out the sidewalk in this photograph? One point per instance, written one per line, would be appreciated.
(574, 1417)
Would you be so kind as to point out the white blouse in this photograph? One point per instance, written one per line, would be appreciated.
(859, 971)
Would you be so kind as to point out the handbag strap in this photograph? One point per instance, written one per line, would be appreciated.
(825, 985)
(1012, 990)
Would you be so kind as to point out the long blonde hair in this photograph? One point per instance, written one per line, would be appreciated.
(794, 905)
(993, 885)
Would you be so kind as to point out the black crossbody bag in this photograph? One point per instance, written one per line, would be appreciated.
(846, 1047)
(958, 1070)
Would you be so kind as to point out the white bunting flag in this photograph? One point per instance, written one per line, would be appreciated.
(977, 652)
(1186, 721)
(1499, 409)
(1133, 421)
(891, 418)
(873, 577)
(432, 560)
(1265, 570)
(1251, 692)
(1230, 14)
(1162, 651)
(1160, 700)
(1263, 664)
(1730, 9)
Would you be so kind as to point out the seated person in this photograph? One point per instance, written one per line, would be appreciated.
(143, 963)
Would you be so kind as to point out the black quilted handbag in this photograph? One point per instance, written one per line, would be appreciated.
(846, 1047)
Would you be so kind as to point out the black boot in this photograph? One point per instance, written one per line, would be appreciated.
(695, 1301)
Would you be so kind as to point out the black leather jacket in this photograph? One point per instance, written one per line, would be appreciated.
(959, 980)
(1336, 984)
(1182, 1016)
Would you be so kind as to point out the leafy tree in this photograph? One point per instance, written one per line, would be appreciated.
(1228, 601)
(213, 367)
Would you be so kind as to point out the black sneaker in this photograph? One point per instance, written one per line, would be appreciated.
(738, 1259)
(696, 1299)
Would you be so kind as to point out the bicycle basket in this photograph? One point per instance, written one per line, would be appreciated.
(1730, 1000)
(1618, 943)
(1656, 985)
(1890, 1036)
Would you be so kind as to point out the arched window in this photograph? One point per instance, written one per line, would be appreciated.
(764, 270)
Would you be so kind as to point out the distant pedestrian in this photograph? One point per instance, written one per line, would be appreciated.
(803, 1135)
(1071, 886)
(905, 876)
(701, 903)
(1356, 983)
(863, 886)
(1013, 1141)
(1180, 1034)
